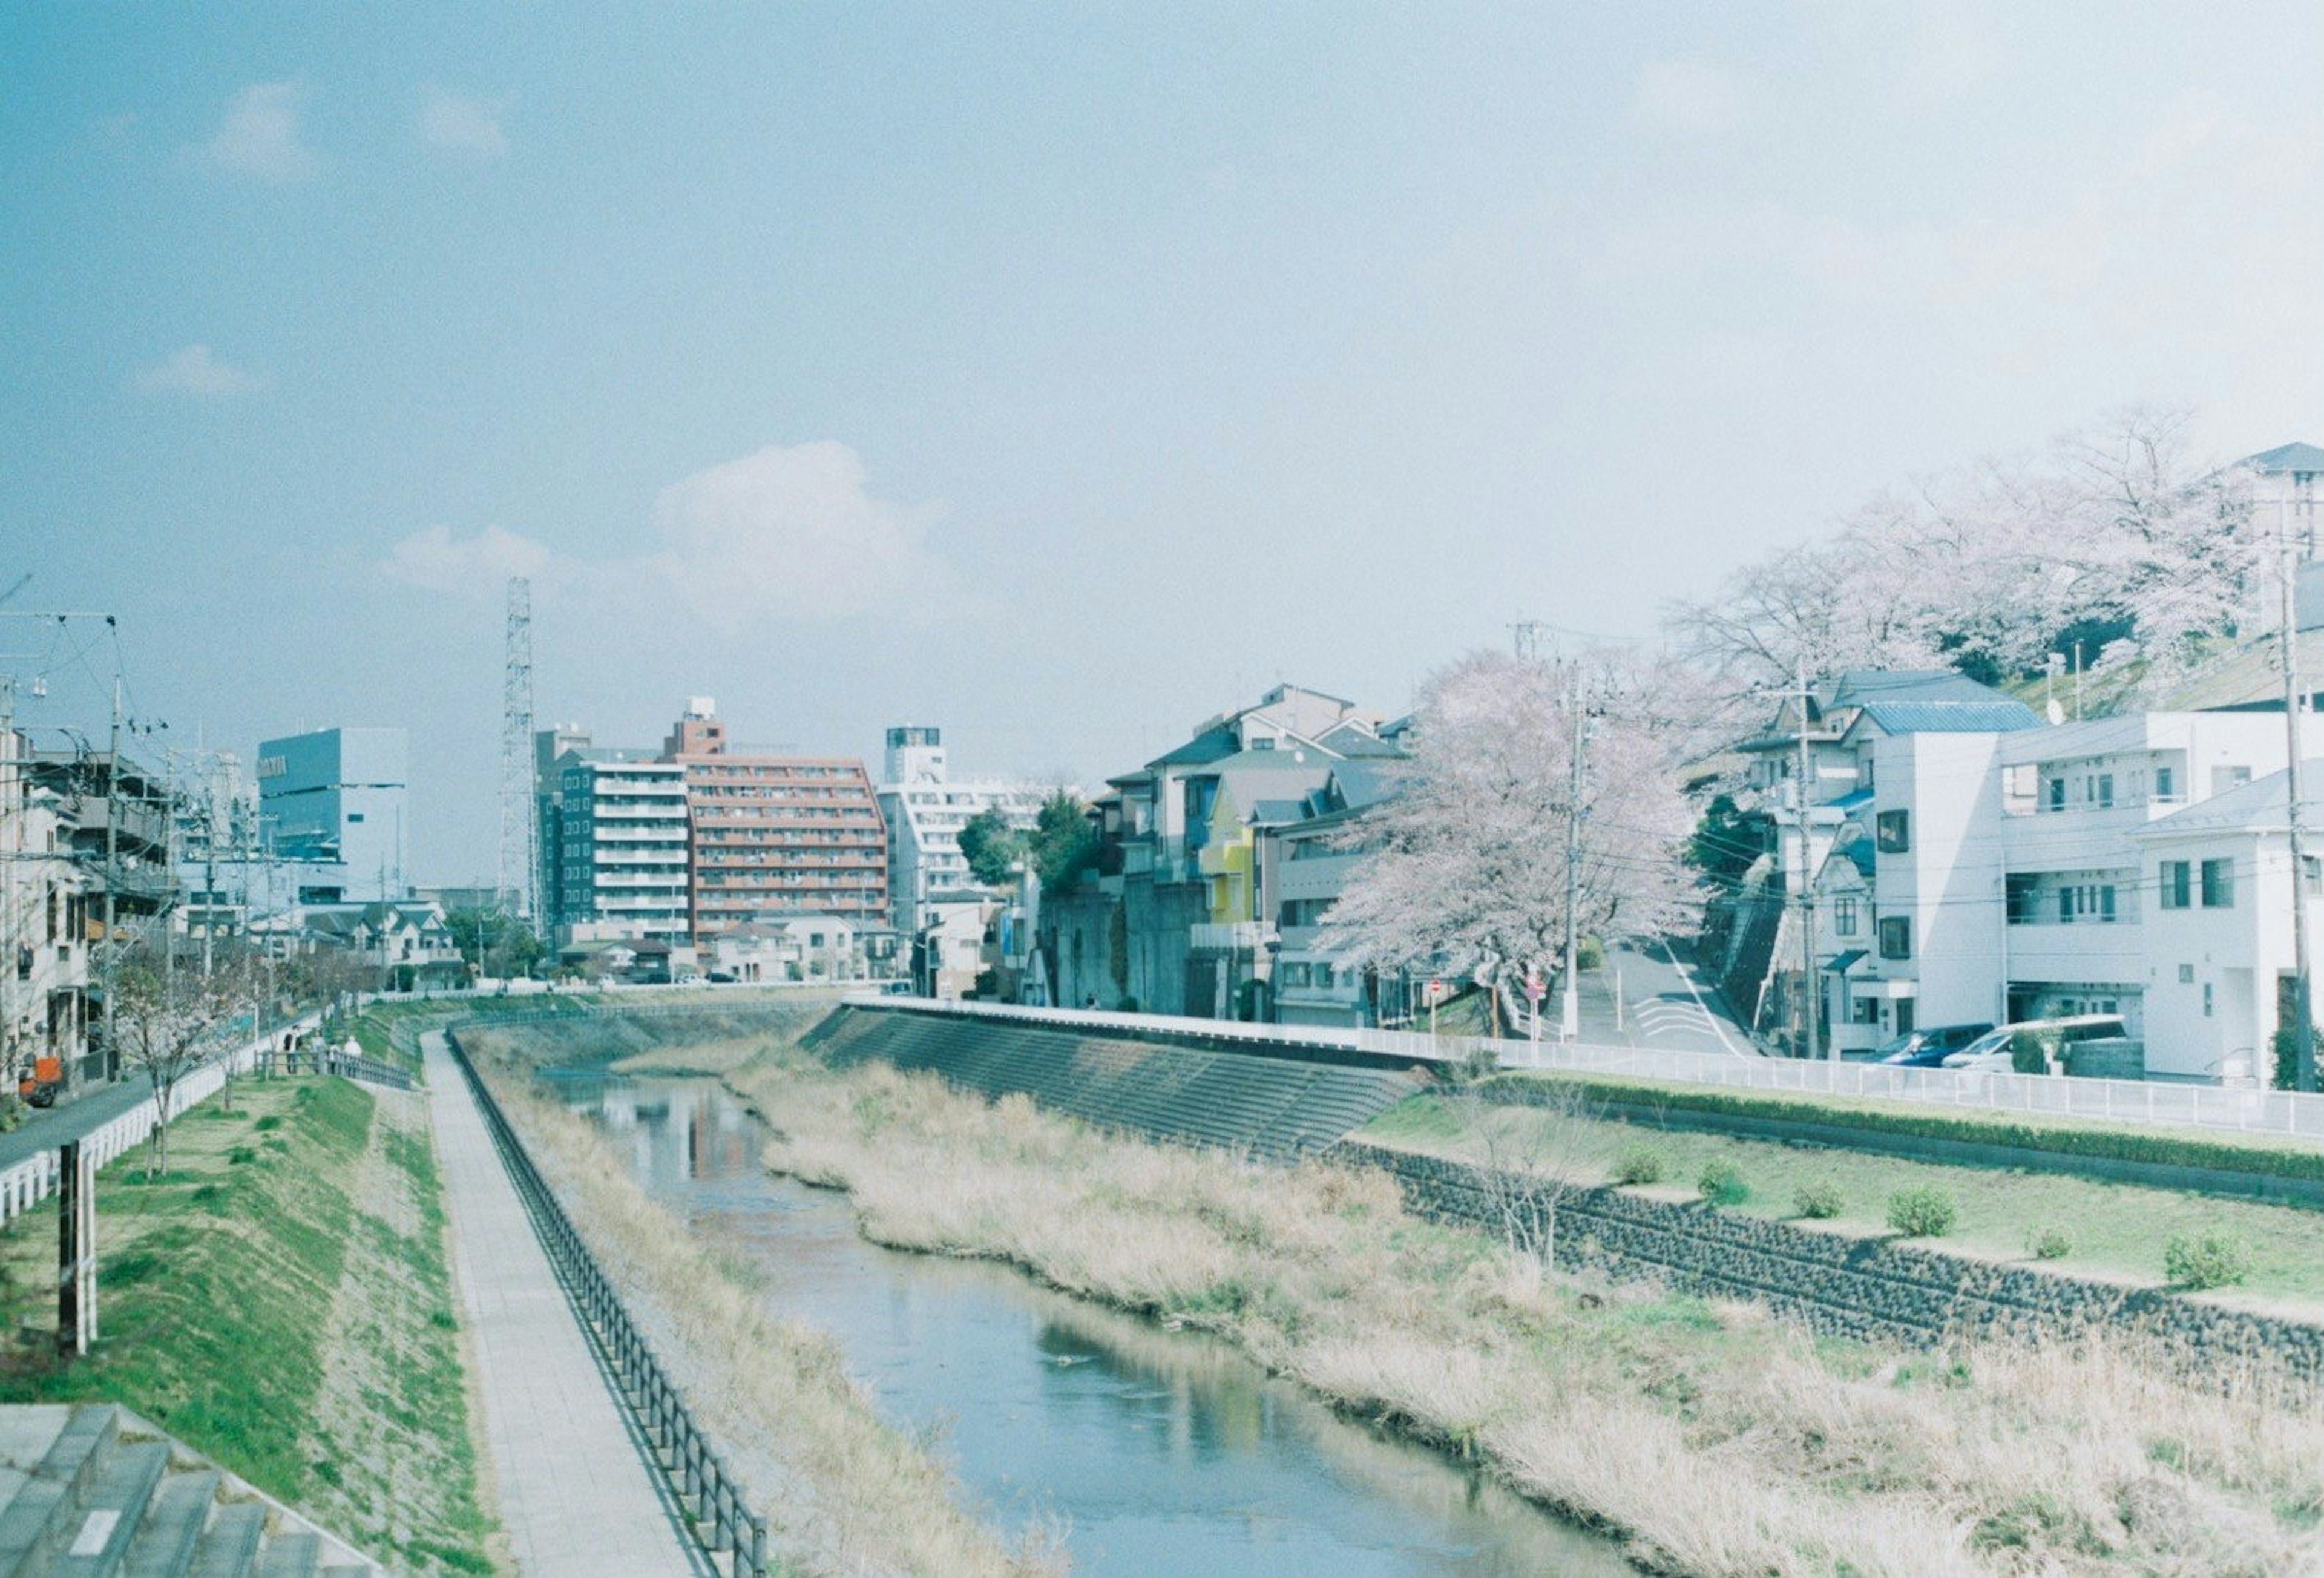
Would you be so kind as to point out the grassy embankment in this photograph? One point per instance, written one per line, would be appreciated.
(1718, 1441)
(2116, 1232)
(845, 1492)
(282, 1301)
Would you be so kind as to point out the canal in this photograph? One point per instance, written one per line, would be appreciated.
(1155, 1451)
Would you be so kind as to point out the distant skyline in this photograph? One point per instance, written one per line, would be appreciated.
(1060, 376)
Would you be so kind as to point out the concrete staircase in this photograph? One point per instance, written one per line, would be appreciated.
(90, 1491)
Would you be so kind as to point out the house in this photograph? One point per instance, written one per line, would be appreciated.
(404, 943)
(789, 945)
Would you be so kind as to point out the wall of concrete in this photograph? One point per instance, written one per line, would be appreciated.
(1234, 1098)
(1848, 1286)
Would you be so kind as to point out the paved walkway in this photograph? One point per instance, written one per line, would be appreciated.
(575, 1494)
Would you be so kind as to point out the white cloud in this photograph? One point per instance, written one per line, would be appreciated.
(260, 136)
(789, 532)
(469, 127)
(1691, 95)
(196, 372)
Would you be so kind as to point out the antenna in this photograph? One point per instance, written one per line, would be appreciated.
(517, 875)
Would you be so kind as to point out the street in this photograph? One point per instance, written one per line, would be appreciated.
(1662, 1004)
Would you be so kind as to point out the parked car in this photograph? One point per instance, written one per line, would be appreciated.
(722, 978)
(689, 979)
(1928, 1049)
(2024, 1047)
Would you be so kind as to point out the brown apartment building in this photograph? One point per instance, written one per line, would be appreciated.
(771, 833)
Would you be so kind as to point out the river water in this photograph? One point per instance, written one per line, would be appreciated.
(1156, 1451)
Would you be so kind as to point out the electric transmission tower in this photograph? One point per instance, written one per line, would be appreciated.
(518, 875)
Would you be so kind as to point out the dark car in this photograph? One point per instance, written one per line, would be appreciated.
(1928, 1049)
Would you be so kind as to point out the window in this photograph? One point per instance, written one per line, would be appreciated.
(2311, 875)
(1843, 916)
(1864, 1010)
(2024, 894)
(1894, 832)
(2104, 794)
(2163, 784)
(2057, 794)
(1896, 936)
(1295, 974)
(2218, 884)
(2207, 1000)
(2224, 779)
(2173, 884)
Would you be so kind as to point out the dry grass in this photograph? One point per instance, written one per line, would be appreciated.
(845, 1492)
(1720, 1443)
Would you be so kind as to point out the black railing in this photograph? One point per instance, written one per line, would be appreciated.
(713, 1500)
(314, 1060)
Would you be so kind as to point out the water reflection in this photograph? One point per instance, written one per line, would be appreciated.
(1162, 1452)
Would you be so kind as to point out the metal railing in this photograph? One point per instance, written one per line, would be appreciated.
(346, 1065)
(716, 1510)
(34, 1179)
(2245, 1110)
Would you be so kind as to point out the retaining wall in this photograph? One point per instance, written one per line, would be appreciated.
(1237, 1098)
(1846, 1286)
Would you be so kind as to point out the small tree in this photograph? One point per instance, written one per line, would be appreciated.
(1063, 843)
(1526, 1169)
(991, 846)
(165, 1021)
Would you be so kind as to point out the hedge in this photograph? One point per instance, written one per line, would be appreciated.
(2185, 1148)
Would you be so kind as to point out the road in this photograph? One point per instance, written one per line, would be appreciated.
(45, 1130)
(1664, 1003)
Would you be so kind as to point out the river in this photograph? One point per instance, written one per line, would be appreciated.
(1156, 1451)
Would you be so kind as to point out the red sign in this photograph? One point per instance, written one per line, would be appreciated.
(1437, 990)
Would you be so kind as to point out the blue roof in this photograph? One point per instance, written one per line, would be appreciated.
(1996, 716)
(2286, 457)
(1859, 854)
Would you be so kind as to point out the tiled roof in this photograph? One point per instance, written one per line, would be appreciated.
(2286, 457)
(1997, 716)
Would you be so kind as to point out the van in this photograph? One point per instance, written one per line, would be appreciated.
(2032, 1045)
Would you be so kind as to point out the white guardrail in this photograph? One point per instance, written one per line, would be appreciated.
(2247, 1111)
(34, 1179)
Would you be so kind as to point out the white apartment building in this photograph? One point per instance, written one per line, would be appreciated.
(924, 808)
(1998, 877)
(623, 840)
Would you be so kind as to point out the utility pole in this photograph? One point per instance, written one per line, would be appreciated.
(111, 881)
(1811, 988)
(1569, 1014)
(2303, 1028)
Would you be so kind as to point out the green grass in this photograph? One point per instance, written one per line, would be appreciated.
(2167, 1146)
(217, 1293)
(2117, 1230)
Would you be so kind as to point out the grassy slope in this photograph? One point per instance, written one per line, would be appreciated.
(2117, 1230)
(217, 1286)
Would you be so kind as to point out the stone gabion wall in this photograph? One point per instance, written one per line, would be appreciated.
(1846, 1286)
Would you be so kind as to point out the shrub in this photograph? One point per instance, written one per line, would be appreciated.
(1722, 1184)
(1921, 1213)
(2215, 1259)
(2048, 1243)
(1817, 1201)
(1639, 1164)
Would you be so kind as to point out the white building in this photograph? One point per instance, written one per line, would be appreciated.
(622, 844)
(924, 808)
(789, 947)
(1998, 877)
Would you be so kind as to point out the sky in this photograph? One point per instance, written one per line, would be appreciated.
(1059, 375)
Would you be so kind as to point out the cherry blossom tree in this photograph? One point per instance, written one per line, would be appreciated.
(1468, 862)
(165, 1022)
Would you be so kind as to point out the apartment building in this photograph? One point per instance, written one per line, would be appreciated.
(2001, 876)
(772, 833)
(621, 849)
(925, 807)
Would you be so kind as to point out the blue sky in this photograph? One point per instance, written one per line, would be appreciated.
(1060, 375)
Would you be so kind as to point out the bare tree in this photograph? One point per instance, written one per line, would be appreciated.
(165, 1022)
(1530, 1161)
(1469, 868)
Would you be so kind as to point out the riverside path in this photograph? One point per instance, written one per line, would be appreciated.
(576, 1495)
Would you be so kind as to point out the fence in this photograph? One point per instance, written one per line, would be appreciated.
(345, 1065)
(34, 1179)
(713, 1500)
(2248, 1111)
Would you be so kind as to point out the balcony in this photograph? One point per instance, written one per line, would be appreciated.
(1243, 936)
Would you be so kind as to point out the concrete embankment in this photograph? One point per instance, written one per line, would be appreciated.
(1845, 1284)
(1239, 1099)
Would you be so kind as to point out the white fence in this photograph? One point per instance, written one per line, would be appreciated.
(2122, 1100)
(34, 1179)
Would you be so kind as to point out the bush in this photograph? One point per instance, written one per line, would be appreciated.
(1722, 1184)
(1922, 1212)
(1817, 1201)
(1640, 1164)
(2215, 1260)
(2048, 1243)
